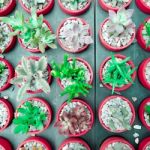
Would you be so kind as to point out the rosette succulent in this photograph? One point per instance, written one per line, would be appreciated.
(146, 33)
(3, 3)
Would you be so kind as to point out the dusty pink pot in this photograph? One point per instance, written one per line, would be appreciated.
(5, 144)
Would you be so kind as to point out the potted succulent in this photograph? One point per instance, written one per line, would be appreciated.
(144, 73)
(74, 7)
(116, 143)
(118, 31)
(32, 116)
(117, 73)
(32, 76)
(74, 76)
(75, 118)
(6, 74)
(35, 143)
(6, 6)
(34, 34)
(143, 5)
(114, 5)
(74, 35)
(42, 6)
(116, 114)
(143, 35)
(6, 113)
(75, 144)
(5, 144)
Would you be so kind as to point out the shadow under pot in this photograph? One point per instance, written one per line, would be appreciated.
(143, 35)
(7, 7)
(42, 7)
(36, 112)
(6, 74)
(75, 144)
(116, 143)
(35, 143)
(143, 5)
(116, 114)
(5, 144)
(74, 119)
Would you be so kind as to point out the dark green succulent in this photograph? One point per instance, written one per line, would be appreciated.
(2, 68)
(147, 26)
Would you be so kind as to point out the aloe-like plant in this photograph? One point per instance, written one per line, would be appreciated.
(2, 68)
(147, 33)
(3, 3)
(73, 73)
(31, 75)
(33, 31)
(147, 110)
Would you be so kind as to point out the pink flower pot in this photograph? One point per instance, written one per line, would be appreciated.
(90, 110)
(108, 99)
(142, 6)
(74, 140)
(144, 143)
(5, 144)
(60, 42)
(109, 47)
(118, 89)
(47, 105)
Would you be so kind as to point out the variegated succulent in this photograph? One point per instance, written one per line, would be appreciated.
(74, 146)
(118, 146)
(32, 75)
(146, 33)
(3, 3)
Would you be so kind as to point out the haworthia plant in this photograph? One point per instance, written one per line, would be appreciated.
(147, 34)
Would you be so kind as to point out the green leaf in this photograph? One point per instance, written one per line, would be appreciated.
(147, 109)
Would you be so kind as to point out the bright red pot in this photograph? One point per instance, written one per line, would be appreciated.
(47, 105)
(5, 144)
(59, 40)
(113, 140)
(140, 38)
(74, 140)
(10, 76)
(142, 6)
(109, 47)
(38, 139)
(108, 99)
(118, 89)
(144, 143)
(89, 108)
(43, 11)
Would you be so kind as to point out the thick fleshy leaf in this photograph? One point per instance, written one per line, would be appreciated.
(42, 63)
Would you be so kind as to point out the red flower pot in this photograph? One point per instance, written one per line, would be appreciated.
(35, 50)
(144, 143)
(10, 112)
(43, 11)
(140, 38)
(47, 105)
(107, 7)
(5, 144)
(38, 139)
(60, 42)
(7, 9)
(74, 12)
(142, 6)
(141, 73)
(74, 140)
(118, 89)
(109, 47)
(86, 64)
(108, 99)
(114, 140)
(90, 110)
(10, 76)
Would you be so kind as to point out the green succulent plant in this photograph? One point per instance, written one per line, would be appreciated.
(147, 34)
(119, 146)
(3, 3)
(147, 110)
(2, 68)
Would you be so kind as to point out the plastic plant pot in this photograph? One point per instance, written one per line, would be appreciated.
(43, 11)
(140, 38)
(86, 64)
(114, 140)
(10, 72)
(118, 89)
(108, 99)
(144, 143)
(60, 42)
(74, 140)
(8, 9)
(74, 12)
(142, 6)
(35, 50)
(107, 7)
(5, 144)
(109, 47)
(88, 107)
(37, 139)
(10, 112)
(47, 105)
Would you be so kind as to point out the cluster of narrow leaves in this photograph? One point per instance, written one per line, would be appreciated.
(74, 121)
(33, 148)
(2, 68)
(147, 110)
(29, 116)
(31, 75)
(32, 31)
(68, 70)
(147, 26)
(118, 73)
(118, 146)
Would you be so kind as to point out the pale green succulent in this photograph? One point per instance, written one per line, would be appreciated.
(118, 146)
(3, 3)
